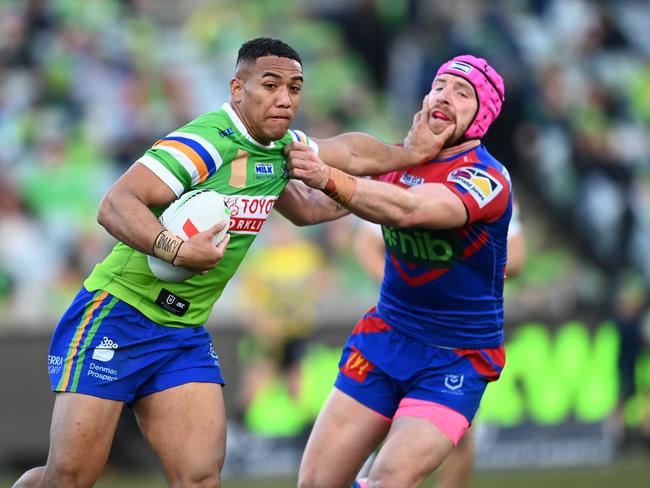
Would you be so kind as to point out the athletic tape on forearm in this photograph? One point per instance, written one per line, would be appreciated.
(340, 186)
(166, 246)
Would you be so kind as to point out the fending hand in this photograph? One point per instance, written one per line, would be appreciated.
(305, 165)
(421, 142)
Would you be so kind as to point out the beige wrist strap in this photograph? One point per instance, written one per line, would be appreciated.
(340, 186)
(166, 246)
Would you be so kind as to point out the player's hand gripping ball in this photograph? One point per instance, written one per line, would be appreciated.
(194, 212)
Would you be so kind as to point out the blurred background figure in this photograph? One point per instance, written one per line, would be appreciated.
(280, 287)
(630, 315)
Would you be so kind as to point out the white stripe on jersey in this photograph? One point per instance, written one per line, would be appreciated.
(186, 162)
(241, 127)
(212, 151)
(161, 171)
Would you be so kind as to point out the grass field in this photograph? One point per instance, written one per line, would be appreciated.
(631, 472)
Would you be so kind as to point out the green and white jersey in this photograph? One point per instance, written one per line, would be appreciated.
(214, 151)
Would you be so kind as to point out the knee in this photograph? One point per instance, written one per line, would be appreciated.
(310, 478)
(205, 477)
(314, 472)
(391, 476)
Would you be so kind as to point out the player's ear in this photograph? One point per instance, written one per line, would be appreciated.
(236, 89)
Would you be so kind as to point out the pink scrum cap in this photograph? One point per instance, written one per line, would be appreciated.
(488, 85)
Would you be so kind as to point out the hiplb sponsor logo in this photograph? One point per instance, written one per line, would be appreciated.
(248, 213)
(432, 248)
(106, 350)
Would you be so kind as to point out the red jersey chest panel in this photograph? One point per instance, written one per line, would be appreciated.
(422, 255)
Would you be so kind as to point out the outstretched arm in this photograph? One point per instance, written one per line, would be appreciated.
(357, 153)
(430, 205)
(305, 206)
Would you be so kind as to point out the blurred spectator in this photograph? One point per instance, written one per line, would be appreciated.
(26, 265)
(281, 284)
(83, 86)
(629, 305)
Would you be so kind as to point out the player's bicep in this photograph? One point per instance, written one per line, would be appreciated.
(437, 207)
(335, 152)
(142, 183)
(125, 211)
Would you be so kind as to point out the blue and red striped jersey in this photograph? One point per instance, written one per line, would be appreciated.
(445, 287)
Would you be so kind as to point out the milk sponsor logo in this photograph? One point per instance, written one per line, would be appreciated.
(248, 213)
(263, 170)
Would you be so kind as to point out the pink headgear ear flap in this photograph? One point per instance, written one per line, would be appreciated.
(489, 88)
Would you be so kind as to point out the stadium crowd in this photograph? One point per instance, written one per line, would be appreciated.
(86, 87)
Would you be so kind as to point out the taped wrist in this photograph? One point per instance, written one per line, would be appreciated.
(166, 246)
(340, 186)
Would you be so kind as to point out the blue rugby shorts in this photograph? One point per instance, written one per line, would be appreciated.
(106, 348)
(381, 366)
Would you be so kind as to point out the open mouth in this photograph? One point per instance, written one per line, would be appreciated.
(437, 114)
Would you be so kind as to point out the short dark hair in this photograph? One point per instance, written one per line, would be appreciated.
(265, 46)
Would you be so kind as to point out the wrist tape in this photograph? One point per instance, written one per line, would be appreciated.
(340, 186)
(166, 246)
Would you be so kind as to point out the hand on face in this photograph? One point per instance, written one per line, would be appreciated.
(425, 139)
(305, 165)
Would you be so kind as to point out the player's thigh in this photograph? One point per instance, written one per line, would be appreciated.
(186, 427)
(81, 435)
(344, 435)
(413, 449)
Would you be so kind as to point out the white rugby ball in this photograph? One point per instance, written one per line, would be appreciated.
(194, 212)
